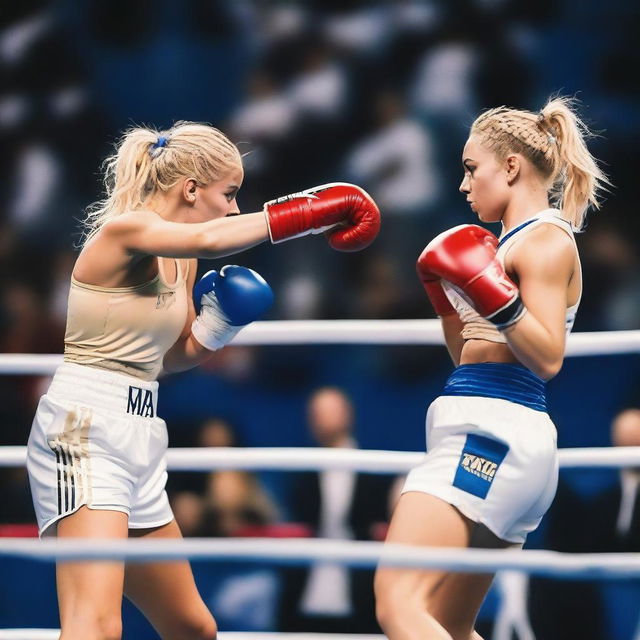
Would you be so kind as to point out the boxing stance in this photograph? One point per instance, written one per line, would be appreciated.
(506, 305)
(96, 452)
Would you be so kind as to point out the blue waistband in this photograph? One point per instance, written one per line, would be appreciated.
(511, 382)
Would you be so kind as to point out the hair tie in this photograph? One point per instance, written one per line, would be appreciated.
(551, 138)
(158, 146)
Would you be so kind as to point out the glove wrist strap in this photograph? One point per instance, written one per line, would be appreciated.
(211, 328)
(509, 314)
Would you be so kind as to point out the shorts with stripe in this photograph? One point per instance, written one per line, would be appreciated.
(96, 441)
(491, 449)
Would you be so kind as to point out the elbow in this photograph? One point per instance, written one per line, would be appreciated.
(549, 369)
(167, 363)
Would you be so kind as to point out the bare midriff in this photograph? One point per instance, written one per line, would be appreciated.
(475, 351)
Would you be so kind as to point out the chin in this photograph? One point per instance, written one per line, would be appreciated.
(489, 218)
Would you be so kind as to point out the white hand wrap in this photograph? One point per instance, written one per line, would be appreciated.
(212, 328)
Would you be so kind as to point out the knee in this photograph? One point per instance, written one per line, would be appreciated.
(102, 627)
(203, 628)
(109, 628)
(207, 631)
(392, 601)
(401, 596)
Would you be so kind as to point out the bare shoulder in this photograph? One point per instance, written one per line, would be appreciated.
(130, 221)
(547, 248)
(128, 231)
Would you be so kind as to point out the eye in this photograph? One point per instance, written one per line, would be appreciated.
(231, 195)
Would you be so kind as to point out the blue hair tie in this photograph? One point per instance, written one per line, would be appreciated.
(159, 144)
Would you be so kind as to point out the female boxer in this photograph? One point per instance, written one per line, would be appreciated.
(96, 453)
(506, 306)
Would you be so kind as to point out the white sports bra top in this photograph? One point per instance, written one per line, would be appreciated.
(477, 327)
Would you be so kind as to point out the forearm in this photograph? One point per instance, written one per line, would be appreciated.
(226, 236)
(452, 327)
(535, 347)
(185, 354)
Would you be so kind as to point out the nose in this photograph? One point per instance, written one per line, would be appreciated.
(464, 185)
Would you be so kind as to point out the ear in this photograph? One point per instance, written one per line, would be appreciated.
(189, 190)
(512, 167)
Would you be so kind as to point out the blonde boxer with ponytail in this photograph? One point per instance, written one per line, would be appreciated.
(97, 449)
(506, 306)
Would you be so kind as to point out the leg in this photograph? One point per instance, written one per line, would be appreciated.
(403, 596)
(166, 593)
(467, 588)
(90, 593)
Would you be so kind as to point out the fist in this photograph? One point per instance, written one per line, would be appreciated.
(465, 256)
(225, 302)
(242, 294)
(347, 213)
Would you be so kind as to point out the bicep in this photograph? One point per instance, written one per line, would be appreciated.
(544, 269)
(148, 233)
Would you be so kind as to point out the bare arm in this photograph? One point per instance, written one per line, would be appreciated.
(146, 232)
(452, 327)
(544, 265)
(187, 352)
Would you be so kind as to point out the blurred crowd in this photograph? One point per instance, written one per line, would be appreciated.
(377, 93)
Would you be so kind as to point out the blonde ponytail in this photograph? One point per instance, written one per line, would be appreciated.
(553, 140)
(578, 180)
(148, 161)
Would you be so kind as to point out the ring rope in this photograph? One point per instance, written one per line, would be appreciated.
(320, 459)
(53, 634)
(349, 552)
(382, 332)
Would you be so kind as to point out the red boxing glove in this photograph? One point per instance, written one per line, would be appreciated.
(345, 210)
(466, 257)
(437, 296)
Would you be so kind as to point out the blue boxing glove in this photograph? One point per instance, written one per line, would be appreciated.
(227, 301)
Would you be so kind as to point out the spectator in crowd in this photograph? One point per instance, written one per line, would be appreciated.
(338, 504)
(610, 522)
(396, 161)
(220, 503)
(612, 277)
(618, 508)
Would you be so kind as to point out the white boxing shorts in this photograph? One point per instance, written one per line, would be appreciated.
(96, 441)
(491, 449)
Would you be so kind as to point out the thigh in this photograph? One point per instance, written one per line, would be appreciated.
(166, 592)
(423, 520)
(90, 592)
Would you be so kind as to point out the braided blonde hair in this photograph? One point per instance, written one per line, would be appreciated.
(553, 140)
(148, 161)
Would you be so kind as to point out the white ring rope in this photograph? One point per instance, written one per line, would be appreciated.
(349, 552)
(318, 459)
(54, 634)
(381, 332)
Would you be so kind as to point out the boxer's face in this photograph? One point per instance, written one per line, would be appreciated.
(486, 181)
(216, 199)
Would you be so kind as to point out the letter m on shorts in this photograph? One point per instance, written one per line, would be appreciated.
(140, 402)
(480, 460)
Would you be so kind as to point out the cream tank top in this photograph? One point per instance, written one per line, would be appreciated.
(126, 329)
(475, 326)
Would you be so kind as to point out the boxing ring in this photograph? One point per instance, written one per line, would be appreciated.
(347, 552)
